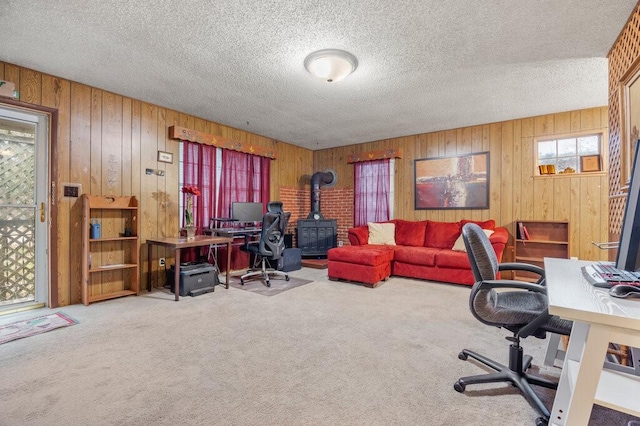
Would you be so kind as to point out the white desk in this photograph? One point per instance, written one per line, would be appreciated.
(598, 319)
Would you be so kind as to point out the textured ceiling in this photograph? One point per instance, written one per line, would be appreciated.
(424, 65)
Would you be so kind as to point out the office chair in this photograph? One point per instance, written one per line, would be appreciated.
(519, 307)
(275, 207)
(269, 247)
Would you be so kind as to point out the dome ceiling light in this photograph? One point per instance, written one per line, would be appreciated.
(331, 65)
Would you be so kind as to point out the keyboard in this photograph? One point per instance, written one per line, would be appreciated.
(236, 231)
(606, 276)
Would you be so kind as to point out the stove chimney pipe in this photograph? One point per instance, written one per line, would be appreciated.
(327, 178)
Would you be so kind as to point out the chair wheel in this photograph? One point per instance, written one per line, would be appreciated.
(462, 356)
(541, 421)
(241, 281)
(268, 284)
(286, 278)
(459, 387)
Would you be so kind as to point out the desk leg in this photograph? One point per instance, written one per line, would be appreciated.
(574, 401)
(149, 263)
(553, 348)
(228, 263)
(176, 276)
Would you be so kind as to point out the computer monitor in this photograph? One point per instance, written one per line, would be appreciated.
(628, 257)
(247, 212)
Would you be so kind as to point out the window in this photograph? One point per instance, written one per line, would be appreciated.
(245, 178)
(373, 191)
(200, 166)
(565, 153)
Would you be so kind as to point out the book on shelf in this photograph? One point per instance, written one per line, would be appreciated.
(521, 231)
(526, 233)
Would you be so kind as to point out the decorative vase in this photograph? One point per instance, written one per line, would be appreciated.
(190, 232)
(189, 222)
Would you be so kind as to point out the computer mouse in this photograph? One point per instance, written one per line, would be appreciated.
(624, 291)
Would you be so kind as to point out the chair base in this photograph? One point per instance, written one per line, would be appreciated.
(514, 374)
(264, 273)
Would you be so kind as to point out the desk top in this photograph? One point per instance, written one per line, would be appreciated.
(198, 241)
(572, 297)
(236, 231)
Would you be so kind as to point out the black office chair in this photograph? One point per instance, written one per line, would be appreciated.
(523, 310)
(275, 207)
(269, 247)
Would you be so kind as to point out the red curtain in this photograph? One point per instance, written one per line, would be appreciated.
(245, 178)
(371, 191)
(199, 170)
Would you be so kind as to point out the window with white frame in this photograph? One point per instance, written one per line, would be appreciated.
(568, 154)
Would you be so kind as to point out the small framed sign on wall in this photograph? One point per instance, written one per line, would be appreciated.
(590, 163)
(165, 157)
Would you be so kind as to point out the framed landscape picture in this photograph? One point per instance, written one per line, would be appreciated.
(460, 182)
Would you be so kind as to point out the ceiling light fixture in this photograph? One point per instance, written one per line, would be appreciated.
(331, 64)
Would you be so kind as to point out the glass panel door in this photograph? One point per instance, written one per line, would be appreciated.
(23, 231)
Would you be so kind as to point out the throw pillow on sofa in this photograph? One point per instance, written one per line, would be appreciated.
(459, 244)
(487, 224)
(382, 233)
(410, 233)
(441, 234)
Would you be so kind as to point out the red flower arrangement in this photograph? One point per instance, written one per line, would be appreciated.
(193, 190)
(190, 192)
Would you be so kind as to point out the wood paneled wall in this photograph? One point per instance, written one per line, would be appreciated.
(105, 142)
(514, 192)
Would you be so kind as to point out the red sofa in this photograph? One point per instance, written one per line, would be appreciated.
(423, 250)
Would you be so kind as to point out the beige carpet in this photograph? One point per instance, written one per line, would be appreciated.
(325, 353)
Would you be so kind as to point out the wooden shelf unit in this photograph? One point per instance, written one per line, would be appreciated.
(110, 264)
(546, 239)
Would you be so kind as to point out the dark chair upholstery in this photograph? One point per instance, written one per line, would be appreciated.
(269, 247)
(519, 307)
(275, 207)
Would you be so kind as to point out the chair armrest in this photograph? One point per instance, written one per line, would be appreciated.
(488, 284)
(516, 266)
(358, 236)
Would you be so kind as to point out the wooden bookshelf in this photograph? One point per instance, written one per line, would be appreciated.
(545, 239)
(110, 266)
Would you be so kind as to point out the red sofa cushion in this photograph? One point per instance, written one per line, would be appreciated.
(424, 256)
(441, 234)
(487, 224)
(371, 255)
(358, 236)
(453, 259)
(409, 233)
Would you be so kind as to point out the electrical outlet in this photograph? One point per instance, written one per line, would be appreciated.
(161, 261)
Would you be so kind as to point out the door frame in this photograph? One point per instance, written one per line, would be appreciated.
(52, 174)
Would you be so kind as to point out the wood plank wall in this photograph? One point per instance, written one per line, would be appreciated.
(105, 142)
(514, 192)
